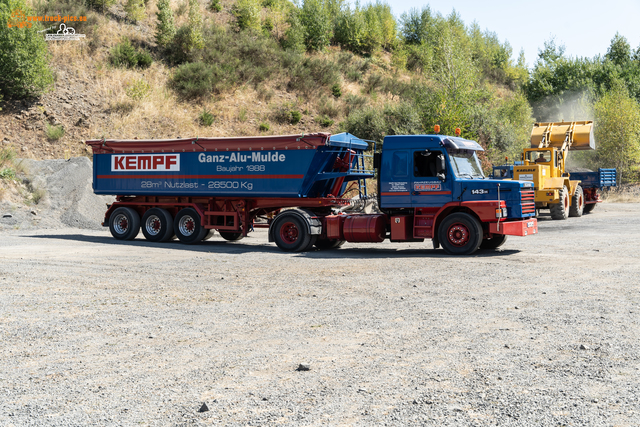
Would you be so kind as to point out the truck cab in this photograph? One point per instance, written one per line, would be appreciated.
(432, 177)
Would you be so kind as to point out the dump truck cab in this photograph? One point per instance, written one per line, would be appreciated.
(434, 176)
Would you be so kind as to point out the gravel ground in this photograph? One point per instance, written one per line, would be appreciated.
(543, 332)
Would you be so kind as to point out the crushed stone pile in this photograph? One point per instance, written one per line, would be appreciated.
(68, 201)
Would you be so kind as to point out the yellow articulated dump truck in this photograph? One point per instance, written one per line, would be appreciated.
(544, 165)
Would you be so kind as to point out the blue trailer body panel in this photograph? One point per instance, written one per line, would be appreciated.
(303, 171)
(602, 178)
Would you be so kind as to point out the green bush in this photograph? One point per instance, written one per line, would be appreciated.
(264, 127)
(138, 89)
(24, 56)
(135, 10)
(206, 118)
(247, 14)
(194, 80)
(124, 54)
(53, 133)
(324, 121)
(215, 6)
(100, 4)
(374, 124)
(317, 24)
(309, 75)
(328, 107)
(285, 114)
(336, 90)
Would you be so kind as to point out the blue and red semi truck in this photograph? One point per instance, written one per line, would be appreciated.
(308, 188)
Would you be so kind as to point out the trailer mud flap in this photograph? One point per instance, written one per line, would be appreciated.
(524, 227)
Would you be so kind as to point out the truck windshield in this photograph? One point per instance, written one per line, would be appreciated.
(465, 163)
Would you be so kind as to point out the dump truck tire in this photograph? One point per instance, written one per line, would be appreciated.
(590, 207)
(577, 203)
(230, 235)
(460, 234)
(291, 234)
(329, 244)
(124, 223)
(157, 225)
(187, 226)
(494, 242)
(561, 210)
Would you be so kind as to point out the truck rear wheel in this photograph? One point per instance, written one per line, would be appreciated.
(494, 242)
(577, 203)
(187, 226)
(291, 234)
(328, 244)
(561, 210)
(460, 234)
(230, 235)
(157, 225)
(124, 223)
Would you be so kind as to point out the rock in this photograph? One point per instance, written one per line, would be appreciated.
(204, 407)
(34, 213)
(7, 216)
(583, 347)
(303, 367)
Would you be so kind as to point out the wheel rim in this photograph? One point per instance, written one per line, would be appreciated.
(458, 235)
(580, 201)
(153, 225)
(289, 232)
(565, 201)
(187, 225)
(121, 224)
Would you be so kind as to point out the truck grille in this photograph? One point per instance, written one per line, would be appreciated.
(528, 202)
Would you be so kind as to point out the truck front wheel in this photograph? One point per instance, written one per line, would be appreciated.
(577, 203)
(157, 225)
(187, 226)
(460, 234)
(291, 234)
(124, 223)
(590, 207)
(494, 242)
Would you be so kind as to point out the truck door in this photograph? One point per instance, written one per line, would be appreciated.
(428, 189)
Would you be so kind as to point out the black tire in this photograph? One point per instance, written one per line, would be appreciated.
(291, 234)
(326, 244)
(187, 226)
(494, 242)
(231, 236)
(460, 234)
(157, 225)
(124, 223)
(577, 203)
(560, 210)
(590, 207)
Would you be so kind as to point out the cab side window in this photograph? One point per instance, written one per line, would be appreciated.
(425, 163)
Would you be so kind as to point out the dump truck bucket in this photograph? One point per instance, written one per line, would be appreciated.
(576, 135)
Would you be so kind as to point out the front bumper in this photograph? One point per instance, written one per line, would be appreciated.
(523, 227)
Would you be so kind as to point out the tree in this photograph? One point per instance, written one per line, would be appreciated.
(24, 56)
(166, 29)
(247, 14)
(617, 130)
(619, 51)
(317, 24)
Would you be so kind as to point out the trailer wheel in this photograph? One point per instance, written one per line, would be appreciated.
(460, 234)
(494, 242)
(157, 225)
(230, 235)
(561, 210)
(124, 223)
(590, 207)
(329, 244)
(187, 226)
(577, 203)
(291, 234)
